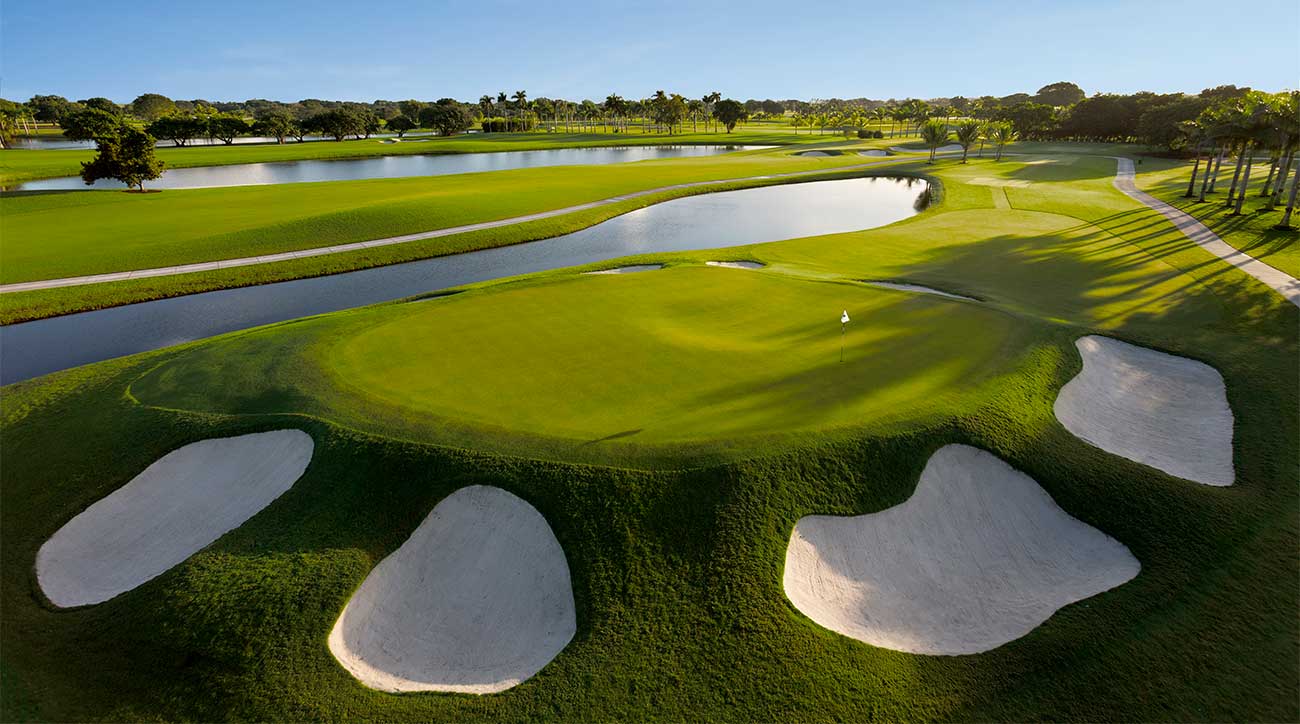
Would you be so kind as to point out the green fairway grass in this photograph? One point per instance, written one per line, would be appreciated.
(28, 164)
(672, 426)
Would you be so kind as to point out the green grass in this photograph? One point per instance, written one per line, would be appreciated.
(676, 543)
(1252, 231)
(28, 164)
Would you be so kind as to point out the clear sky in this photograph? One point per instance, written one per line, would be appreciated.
(241, 49)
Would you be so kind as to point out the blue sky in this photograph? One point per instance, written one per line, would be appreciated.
(238, 49)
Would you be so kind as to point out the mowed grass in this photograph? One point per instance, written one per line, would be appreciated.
(676, 559)
(18, 165)
(639, 368)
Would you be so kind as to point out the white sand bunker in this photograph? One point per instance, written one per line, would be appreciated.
(873, 152)
(816, 154)
(180, 504)
(902, 287)
(737, 264)
(628, 269)
(477, 600)
(1154, 408)
(950, 148)
(1016, 183)
(979, 555)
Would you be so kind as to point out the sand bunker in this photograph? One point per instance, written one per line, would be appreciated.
(979, 555)
(628, 269)
(477, 600)
(180, 504)
(900, 286)
(1153, 408)
(737, 264)
(874, 152)
(816, 154)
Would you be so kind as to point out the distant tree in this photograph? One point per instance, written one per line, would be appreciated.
(667, 110)
(447, 118)
(1030, 120)
(709, 102)
(695, 108)
(367, 122)
(278, 124)
(152, 106)
(968, 132)
(227, 126)
(101, 104)
(338, 123)
(410, 108)
(1059, 94)
(1223, 93)
(400, 125)
(935, 133)
(127, 156)
(89, 124)
(772, 108)
(12, 117)
(729, 112)
(179, 128)
(50, 109)
(1001, 133)
(1161, 124)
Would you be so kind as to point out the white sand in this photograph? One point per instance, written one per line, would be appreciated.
(950, 148)
(979, 555)
(181, 503)
(919, 289)
(816, 154)
(1154, 408)
(736, 264)
(628, 269)
(873, 152)
(477, 600)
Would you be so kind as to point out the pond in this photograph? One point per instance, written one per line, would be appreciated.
(707, 221)
(353, 169)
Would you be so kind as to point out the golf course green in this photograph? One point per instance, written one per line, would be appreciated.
(672, 426)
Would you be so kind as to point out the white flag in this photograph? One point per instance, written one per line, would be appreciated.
(844, 318)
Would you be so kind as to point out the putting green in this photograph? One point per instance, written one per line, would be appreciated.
(680, 355)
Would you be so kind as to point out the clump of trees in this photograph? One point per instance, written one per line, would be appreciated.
(123, 152)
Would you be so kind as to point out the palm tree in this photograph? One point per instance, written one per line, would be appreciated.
(968, 132)
(1001, 133)
(935, 133)
(984, 136)
(709, 100)
(1289, 128)
(1195, 134)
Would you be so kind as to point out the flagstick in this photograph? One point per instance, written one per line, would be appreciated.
(841, 342)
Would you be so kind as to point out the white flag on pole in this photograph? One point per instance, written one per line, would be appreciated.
(844, 317)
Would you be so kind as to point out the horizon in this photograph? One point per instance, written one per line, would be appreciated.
(506, 46)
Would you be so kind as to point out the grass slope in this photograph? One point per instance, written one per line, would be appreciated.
(677, 571)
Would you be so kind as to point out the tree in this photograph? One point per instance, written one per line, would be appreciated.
(179, 128)
(338, 123)
(127, 156)
(447, 117)
(411, 109)
(12, 117)
(278, 125)
(1030, 120)
(400, 124)
(1001, 133)
(709, 102)
(935, 133)
(666, 110)
(729, 112)
(50, 109)
(1059, 94)
(968, 132)
(152, 106)
(101, 104)
(89, 124)
(696, 109)
(227, 126)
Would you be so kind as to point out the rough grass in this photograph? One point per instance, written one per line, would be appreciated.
(676, 571)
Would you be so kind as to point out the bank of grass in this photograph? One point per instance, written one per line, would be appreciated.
(1251, 232)
(97, 232)
(677, 570)
(28, 164)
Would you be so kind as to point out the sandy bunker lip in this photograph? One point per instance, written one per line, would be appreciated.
(904, 287)
(874, 152)
(180, 504)
(477, 600)
(737, 264)
(1158, 409)
(631, 269)
(980, 555)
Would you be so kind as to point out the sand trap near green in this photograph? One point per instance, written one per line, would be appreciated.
(177, 506)
(1157, 409)
(630, 269)
(736, 264)
(477, 600)
(919, 289)
(980, 555)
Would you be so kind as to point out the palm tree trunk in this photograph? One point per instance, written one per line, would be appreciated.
(964, 150)
(1281, 179)
(1290, 204)
(1236, 175)
(1217, 164)
(1272, 170)
(1191, 185)
(1205, 177)
(1245, 182)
